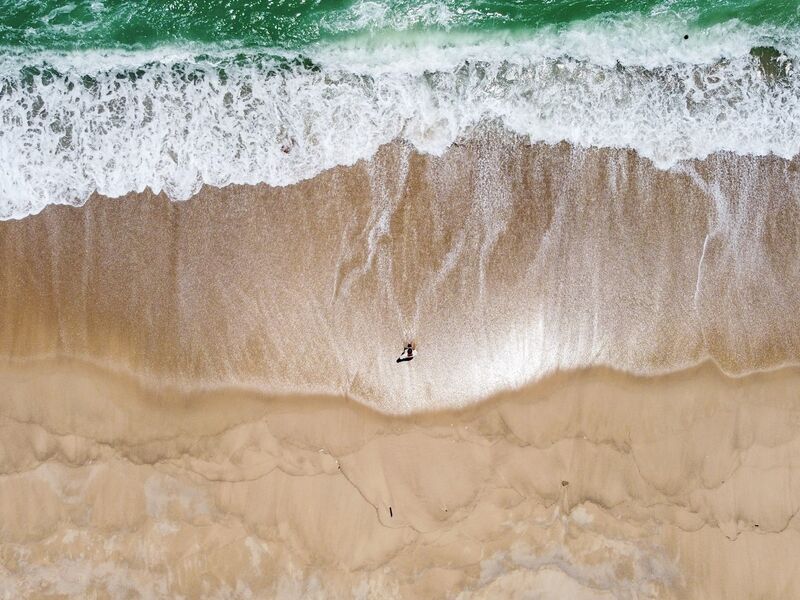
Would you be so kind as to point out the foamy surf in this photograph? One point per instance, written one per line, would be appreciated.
(174, 119)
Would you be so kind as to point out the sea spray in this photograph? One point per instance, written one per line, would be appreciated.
(111, 97)
(73, 126)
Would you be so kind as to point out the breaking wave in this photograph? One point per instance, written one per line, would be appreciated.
(174, 119)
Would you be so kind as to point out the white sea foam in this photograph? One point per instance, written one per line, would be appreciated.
(174, 119)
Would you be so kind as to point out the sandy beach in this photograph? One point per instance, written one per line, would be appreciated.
(201, 399)
(586, 485)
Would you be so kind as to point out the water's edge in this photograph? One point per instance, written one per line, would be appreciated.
(504, 262)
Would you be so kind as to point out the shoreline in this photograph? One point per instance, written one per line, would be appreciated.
(161, 388)
(496, 258)
(220, 223)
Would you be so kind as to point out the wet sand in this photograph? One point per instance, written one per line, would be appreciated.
(503, 262)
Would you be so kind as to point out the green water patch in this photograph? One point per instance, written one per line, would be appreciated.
(91, 24)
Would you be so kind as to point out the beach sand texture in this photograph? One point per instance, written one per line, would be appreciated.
(201, 399)
(586, 485)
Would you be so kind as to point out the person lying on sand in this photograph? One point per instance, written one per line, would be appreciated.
(408, 354)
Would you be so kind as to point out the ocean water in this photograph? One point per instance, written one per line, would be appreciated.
(118, 96)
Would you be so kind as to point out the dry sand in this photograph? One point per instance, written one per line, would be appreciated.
(586, 485)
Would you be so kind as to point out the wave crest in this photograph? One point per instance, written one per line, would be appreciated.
(112, 124)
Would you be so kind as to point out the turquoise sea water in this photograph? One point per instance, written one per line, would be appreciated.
(114, 96)
(59, 24)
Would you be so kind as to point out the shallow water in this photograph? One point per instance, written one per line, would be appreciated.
(503, 262)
